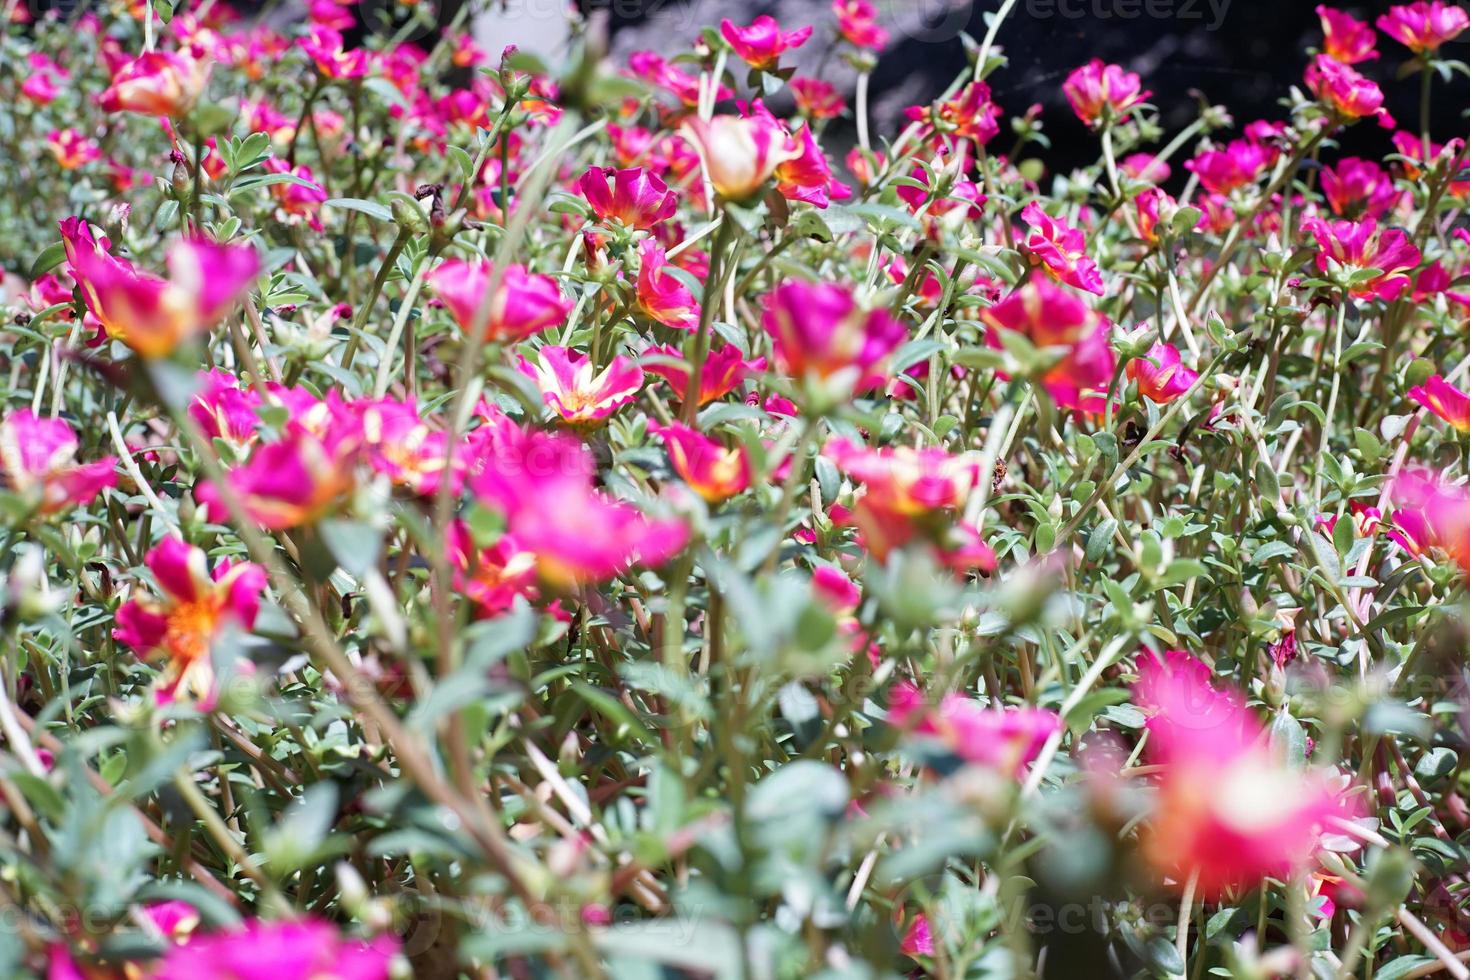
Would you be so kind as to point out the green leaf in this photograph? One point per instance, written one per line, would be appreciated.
(370, 208)
(51, 256)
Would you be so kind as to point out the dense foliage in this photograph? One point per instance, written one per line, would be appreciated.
(467, 516)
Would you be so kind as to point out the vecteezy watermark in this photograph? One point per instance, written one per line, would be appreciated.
(1210, 13)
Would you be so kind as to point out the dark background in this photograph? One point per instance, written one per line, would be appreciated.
(1246, 58)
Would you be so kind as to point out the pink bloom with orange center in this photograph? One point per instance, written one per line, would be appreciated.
(865, 165)
(1346, 38)
(857, 20)
(1411, 146)
(1160, 375)
(1145, 166)
(302, 198)
(542, 483)
(1444, 400)
(71, 149)
(524, 303)
(38, 458)
(1100, 93)
(763, 42)
(494, 577)
(291, 482)
(808, 177)
(402, 445)
(1345, 91)
(971, 114)
(723, 371)
(740, 153)
(818, 331)
(1364, 245)
(1005, 739)
(192, 608)
(1060, 249)
(633, 197)
(1357, 188)
(1423, 27)
(711, 470)
(226, 410)
(1050, 316)
(302, 949)
(158, 83)
(1431, 513)
(652, 68)
(661, 294)
(1237, 164)
(576, 391)
(908, 481)
(1154, 209)
(817, 99)
(1230, 811)
(150, 314)
(325, 47)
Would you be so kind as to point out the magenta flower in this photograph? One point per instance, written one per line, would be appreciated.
(1423, 27)
(494, 577)
(1060, 249)
(1230, 811)
(1357, 188)
(1100, 93)
(1346, 38)
(1004, 739)
(1051, 317)
(1343, 90)
(573, 388)
(1160, 375)
(1364, 245)
(763, 42)
(1221, 171)
(325, 47)
(38, 460)
(740, 153)
(808, 177)
(652, 68)
(818, 331)
(226, 410)
(857, 20)
(723, 371)
(193, 606)
(523, 303)
(291, 482)
(1444, 400)
(816, 98)
(633, 197)
(661, 295)
(158, 83)
(711, 470)
(307, 949)
(971, 114)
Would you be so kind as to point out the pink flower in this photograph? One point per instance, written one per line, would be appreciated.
(301, 198)
(1432, 513)
(918, 939)
(524, 303)
(711, 470)
(808, 177)
(763, 42)
(971, 114)
(1346, 38)
(1230, 811)
(71, 149)
(306, 949)
(293, 481)
(1357, 188)
(1005, 739)
(1423, 27)
(818, 331)
(1160, 375)
(494, 577)
(634, 198)
(40, 84)
(816, 98)
(857, 20)
(38, 460)
(652, 68)
(542, 484)
(724, 369)
(158, 83)
(573, 388)
(225, 410)
(1155, 209)
(399, 443)
(193, 606)
(1100, 93)
(1060, 249)
(1444, 400)
(325, 47)
(661, 294)
(1221, 171)
(1363, 245)
(1342, 89)
(1145, 166)
(740, 153)
(1050, 316)
(150, 314)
